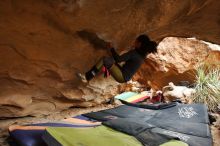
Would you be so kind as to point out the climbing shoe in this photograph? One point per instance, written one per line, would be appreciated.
(82, 77)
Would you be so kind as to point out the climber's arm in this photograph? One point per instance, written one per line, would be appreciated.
(120, 58)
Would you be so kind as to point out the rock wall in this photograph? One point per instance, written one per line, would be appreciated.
(44, 43)
(176, 61)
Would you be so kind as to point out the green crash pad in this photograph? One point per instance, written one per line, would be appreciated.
(174, 143)
(97, 136)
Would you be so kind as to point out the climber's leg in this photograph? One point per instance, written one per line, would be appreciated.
(116, 73)
(105, 61)
(94, 70)
(109, 63)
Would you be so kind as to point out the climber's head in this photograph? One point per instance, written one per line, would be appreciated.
(144, 45)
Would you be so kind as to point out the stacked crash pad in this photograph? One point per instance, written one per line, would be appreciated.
(132, 97)
(31, 135)
(189, 123)
(132, 124)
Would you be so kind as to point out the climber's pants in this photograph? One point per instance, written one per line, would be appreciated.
(113, 68)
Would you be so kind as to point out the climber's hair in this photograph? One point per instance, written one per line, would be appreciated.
(147, 46)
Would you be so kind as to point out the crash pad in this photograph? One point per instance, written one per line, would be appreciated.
(123, 111)
(31, 135)
(149, 133)
(174, 143)
(125, 95)
(98, 136)
(187, 122)
(182, 112)
(131, 97)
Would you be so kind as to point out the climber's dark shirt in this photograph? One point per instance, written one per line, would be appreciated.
(132, 59)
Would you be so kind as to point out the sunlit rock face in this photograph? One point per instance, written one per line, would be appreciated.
(176, 61)
(44, 43)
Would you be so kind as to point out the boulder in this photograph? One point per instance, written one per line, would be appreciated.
(44, 43)
(176, 61)
(172, 92)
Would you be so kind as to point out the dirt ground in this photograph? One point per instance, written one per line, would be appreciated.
(4, 124)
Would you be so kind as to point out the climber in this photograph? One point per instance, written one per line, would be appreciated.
(132, 61)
